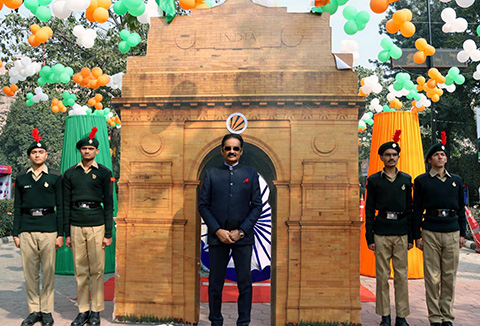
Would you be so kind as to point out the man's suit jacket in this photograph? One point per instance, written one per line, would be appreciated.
(230, 200)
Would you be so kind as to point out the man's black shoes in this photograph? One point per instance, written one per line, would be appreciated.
(435, 324)
(82, 319)
(94, 319)
(386, 321)
(400, 321)
(47, 319)
(447, 323)
(32, 319)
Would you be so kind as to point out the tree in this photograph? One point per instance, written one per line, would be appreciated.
(454, 111)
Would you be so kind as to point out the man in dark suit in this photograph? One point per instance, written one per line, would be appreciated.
(230, 204)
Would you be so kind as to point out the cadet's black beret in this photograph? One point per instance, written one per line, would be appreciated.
(89, 140)
(435, 148)
(38, 143)
(388, 145)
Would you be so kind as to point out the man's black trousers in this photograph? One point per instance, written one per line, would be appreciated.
(219, 255)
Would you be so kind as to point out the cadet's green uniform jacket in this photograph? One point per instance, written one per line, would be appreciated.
(46, 192)
(94, 186)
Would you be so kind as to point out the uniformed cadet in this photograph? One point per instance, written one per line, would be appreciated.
(88, 226)
(38, 229)
(389, 233)
(439, 230)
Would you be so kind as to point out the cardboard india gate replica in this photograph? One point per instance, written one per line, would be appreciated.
(276, 69)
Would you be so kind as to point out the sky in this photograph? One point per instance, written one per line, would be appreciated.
(368, 40)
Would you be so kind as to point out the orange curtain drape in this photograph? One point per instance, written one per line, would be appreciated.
(411, 161)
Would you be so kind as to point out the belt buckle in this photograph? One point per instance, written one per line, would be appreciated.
(392, 216)
(36, 212)
(444, 212)
(84, 205)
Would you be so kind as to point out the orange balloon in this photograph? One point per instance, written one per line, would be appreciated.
(34, 28)
(42, 35)
(32, 40)
(429, 50)
(91, 102)
(63, 108)
(85, 72)
(55, 108)
(1, 63)
(432, 83)
(55, 101)
(13, 4)
(379, 6)
(77, 78)
(14, 88)
(103, 80)
(419, 57)
(187, 4)
(391, 27)
(104, 3)
(93, 4)
(407, 29)
(399, 17)
(89, 14)
(98, 97)
(97, 72)
(100, 15)
(201, 6)
(421, 44)
(98, 106)
(1, 5)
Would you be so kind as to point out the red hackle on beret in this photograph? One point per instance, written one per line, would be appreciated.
(36, 135)
(396, 136)
(444, 137)
(92, 133)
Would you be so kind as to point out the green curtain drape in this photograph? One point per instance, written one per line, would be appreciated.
(76, 127)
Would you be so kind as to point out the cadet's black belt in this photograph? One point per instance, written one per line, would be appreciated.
(442, 212)
(38, 211)
(390, 215)
(87, 204)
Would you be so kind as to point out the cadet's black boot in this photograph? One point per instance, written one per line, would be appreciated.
(32, 319)
(81, 319)
(447, 323)
(386, 321)
(47, 319)
(94, 319)
(400, 321)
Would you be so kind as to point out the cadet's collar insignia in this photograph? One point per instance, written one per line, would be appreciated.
(94, 176)
(46, 185)
(454, 184)
(403, 187)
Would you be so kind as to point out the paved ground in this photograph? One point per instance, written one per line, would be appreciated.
(13, 307)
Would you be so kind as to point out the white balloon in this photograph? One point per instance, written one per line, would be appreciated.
(462, 56)
(465, 3)
(469, 45)
(476, 75)
(88, 42)
(475, 55)
(78, 30)
(445, 1)
(461, 25)
(390, 97)
(77, 5)
(60, 9)
(448, 15)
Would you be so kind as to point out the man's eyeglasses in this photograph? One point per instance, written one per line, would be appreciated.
(229, 148)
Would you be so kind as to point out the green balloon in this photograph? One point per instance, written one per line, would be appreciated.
(43, 13)
(131, 4)
(31, 5)
(119, 8)
(350, 27)
(386, 43)
(138, 10)
(29, 102)
(396, 52)
(342, 2)
(360, 27)
(124, 34)
(123, 47)
(384, 55)
(44, 2)
(478, 30)
(331, 8)
(362, 17)
(459, 80)
(64, 78)
(349, 12)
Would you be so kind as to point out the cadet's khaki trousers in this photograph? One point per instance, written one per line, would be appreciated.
(395, 248)
(89, 264)
(440, 260)
(38, 248)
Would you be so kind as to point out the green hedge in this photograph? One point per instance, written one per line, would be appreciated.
(6, 217)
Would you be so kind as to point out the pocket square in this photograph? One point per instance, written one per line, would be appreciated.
(246, 180)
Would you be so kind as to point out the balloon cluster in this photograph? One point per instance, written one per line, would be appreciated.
(454, 76)
(39, 96)
(469, 51)
(390, 50)
(85, 37)
(424, 50)
(401, 21)
(22, 69)
(332, 7)
(452, 23)
(133, 7)
(369, 84)
(98, 10)
(10, 91)
(96, 101)
(432, 93)
(57, 106)
(68, 99)
(63, 8)
(356, 21)
(39, 35)
(94, 78)
(39, 9)
(55, 74)
(129, 40)
(366, 119)
(435, 78)
(375, 105)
